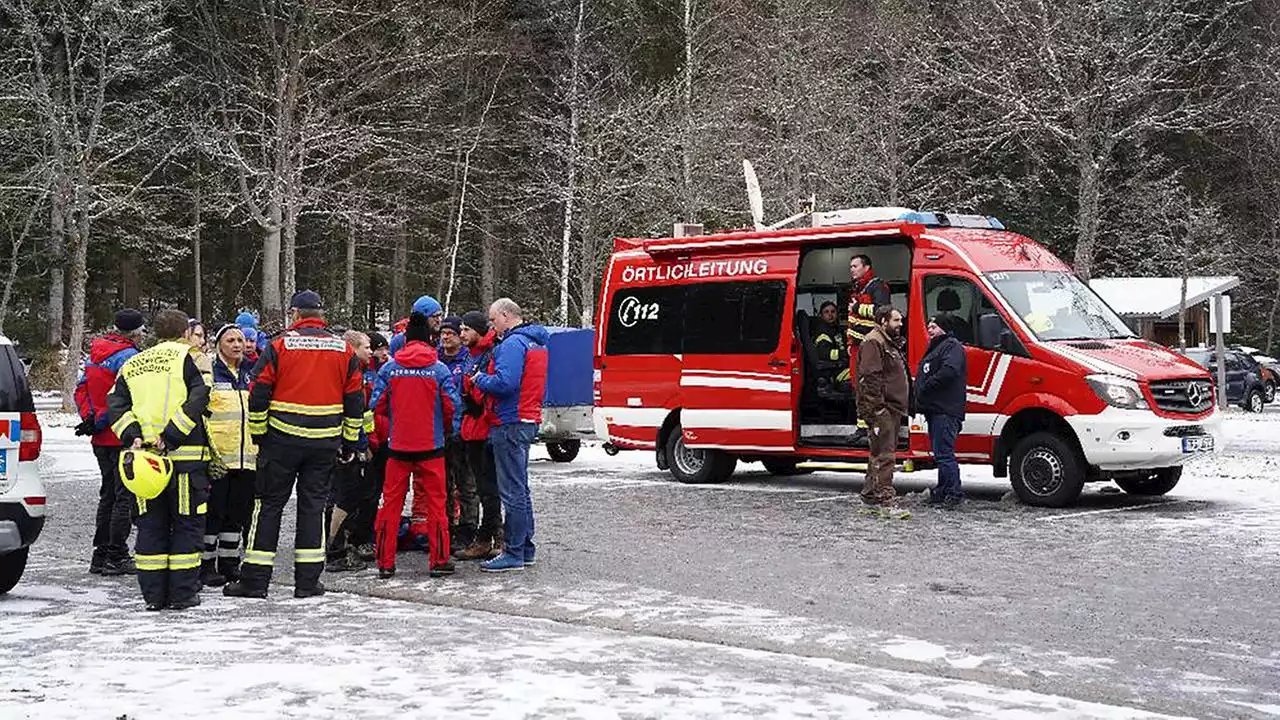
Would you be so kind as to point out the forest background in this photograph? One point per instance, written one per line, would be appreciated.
(216, 155)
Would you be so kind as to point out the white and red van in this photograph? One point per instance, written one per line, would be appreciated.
(704, 354)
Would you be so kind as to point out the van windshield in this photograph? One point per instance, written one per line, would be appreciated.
(1058, 306)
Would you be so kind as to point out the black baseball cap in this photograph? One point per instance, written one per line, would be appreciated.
(306, 300)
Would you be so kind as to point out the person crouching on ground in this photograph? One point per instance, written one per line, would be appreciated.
(231, 493)
(882, 401)
(516, 379)
(416, 394)
(940, 397)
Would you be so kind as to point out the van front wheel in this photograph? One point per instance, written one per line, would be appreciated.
(694, 466)
(1046, 471)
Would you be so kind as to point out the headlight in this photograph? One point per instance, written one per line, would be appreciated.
(1117, 391)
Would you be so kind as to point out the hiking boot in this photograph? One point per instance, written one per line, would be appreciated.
(239, 589)
(349, 562)
(121, 566)
(186, 603)
(891, 511)
(209, 575)
(502, 563)
(95, 562)
(229, 569)
(442, 570)
(366, 552)
(302, 593)
(155, 606)
(386, 573)
(478, 550)
(530, 558)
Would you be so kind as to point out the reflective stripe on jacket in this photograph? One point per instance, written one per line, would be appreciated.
(307, 389)
(863, 302)
(228, 420)
(160, 393)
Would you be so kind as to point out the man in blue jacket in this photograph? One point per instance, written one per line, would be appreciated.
(940, 397)
(516, 379)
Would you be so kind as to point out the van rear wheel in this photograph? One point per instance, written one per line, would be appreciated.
(1046, 471)
(564, 451)
(694, 466)
(11, 566)
(1158, 482)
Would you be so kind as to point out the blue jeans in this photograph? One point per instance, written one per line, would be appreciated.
(511, 456)
(943, 430)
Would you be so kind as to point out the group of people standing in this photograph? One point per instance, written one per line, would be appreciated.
(230, 424)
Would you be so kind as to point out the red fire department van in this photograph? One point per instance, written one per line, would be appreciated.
(704, 354)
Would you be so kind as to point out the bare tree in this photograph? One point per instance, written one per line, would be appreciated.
(1078, 81)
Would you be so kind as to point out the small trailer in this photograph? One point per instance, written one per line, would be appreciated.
(568, 406)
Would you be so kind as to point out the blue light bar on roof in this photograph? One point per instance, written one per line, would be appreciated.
(859, 216)
(936, 219)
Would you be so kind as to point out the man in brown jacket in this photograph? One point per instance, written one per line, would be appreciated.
(882, 401)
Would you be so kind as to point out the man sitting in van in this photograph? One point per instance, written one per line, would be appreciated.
(832, 357)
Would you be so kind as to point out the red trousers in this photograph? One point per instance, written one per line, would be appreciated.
(429, 519)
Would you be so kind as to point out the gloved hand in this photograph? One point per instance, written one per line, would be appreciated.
(85, 427)
(346, 455)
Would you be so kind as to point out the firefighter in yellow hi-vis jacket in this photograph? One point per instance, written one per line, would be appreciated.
(158, 403)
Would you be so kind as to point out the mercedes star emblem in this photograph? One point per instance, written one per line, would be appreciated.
(1194, 395)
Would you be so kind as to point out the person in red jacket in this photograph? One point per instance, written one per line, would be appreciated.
(477, 418)
(107, 355)
(417, 395)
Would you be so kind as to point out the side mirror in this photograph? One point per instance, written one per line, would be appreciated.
(991, 331)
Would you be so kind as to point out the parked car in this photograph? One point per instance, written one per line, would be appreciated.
(1270, 369)
(1245, 386)
(22, 498)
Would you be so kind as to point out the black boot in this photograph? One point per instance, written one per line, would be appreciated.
(119, 566)
(239, 589)
(95, 562)
(316, 591)
(384, 573)
(209, 575)
(229, 568)
(186, 603)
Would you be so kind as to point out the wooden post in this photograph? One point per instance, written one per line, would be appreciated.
(1220, 352)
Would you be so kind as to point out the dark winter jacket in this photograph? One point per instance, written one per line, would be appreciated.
(517, 375)
(107, 355)
(941, 379)
(416, 393)
(477, 414)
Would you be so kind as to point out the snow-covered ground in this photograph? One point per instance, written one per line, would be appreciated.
(640, 608)
(76, 652)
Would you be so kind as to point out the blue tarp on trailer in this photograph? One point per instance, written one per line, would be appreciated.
(570, 352)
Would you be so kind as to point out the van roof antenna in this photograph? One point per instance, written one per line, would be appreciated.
(756, 201)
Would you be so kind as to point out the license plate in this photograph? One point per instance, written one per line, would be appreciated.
(1197, 444)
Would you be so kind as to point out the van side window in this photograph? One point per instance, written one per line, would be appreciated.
(963, 300)
(726, 318)
(734, 318)
(646, 321)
